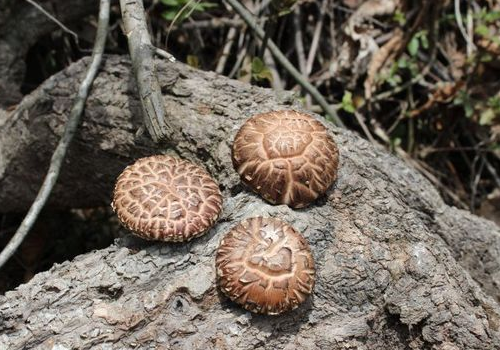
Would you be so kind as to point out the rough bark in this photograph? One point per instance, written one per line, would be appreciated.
(21, 25)
(396, 267)
(141, 53)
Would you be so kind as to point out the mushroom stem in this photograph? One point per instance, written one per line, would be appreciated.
(63, 145)
(281, 58)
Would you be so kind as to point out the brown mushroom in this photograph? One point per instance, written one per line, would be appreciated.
(166, 198)
(265, 265)
(285, 156)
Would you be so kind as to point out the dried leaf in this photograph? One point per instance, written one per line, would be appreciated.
(379, 58)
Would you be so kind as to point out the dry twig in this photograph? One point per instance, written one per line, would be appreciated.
(53, 19)
(281, 58)
(316, 37)
(63, 145)
(141, 52)
(221, 64)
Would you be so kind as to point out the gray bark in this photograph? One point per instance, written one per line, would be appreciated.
(141, 53)
(396, 267)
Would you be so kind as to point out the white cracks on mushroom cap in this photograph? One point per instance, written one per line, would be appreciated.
(166, 198)
(293, 162)
(265, 265)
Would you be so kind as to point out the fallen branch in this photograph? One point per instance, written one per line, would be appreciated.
(63, 145)
(221, 64)
(316, 36)
(141, 52)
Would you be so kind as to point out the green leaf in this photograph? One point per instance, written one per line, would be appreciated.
(494, 102)
(495, 147)
(284, 12)
(469, 110)
(399, 17)
(208, 5)
(174, 3)
(414, 68)
(402, 62)
(202, 6)
(257, 65)
(413, 46)
(487, 116)
(347, 104)
(492, 16)
(396, 142)
(395, 80)
(423, 40)
(260, 71)
(482, 30)
(183, 9)
(193, 61)
(169, 15)
(265, 75)
(486, 57)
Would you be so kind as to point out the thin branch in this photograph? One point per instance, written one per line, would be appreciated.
(63, 145)
(361, 121)
(53, 19)
(492, 171)
(213, 23)
(460, 23)
(475, 178)
(141, 52)
(299, 44)
(164, 54)
(176, 17)
(281, 58)
(276, 84)
(316, 36)
(221, 64)
(299, 47)
(240, 57)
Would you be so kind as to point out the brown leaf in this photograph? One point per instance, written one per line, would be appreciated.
(379, 58)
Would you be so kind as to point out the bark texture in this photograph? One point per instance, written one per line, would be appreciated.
(141, 53)
(396, 267)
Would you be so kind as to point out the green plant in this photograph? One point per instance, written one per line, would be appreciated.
(283, 7)
(259, 70)
(182, 9)
(399, 17)
(347, 102)
(418, 40)
(463, 99)
(490, 112)
(485, 111)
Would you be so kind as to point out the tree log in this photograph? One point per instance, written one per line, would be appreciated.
(396, 267)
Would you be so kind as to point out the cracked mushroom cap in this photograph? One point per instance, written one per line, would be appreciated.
(265, 265)
(287, 157)
(166, 198)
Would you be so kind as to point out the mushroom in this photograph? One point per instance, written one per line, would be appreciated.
(286, 156)
(265, 265)
(166, 198)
